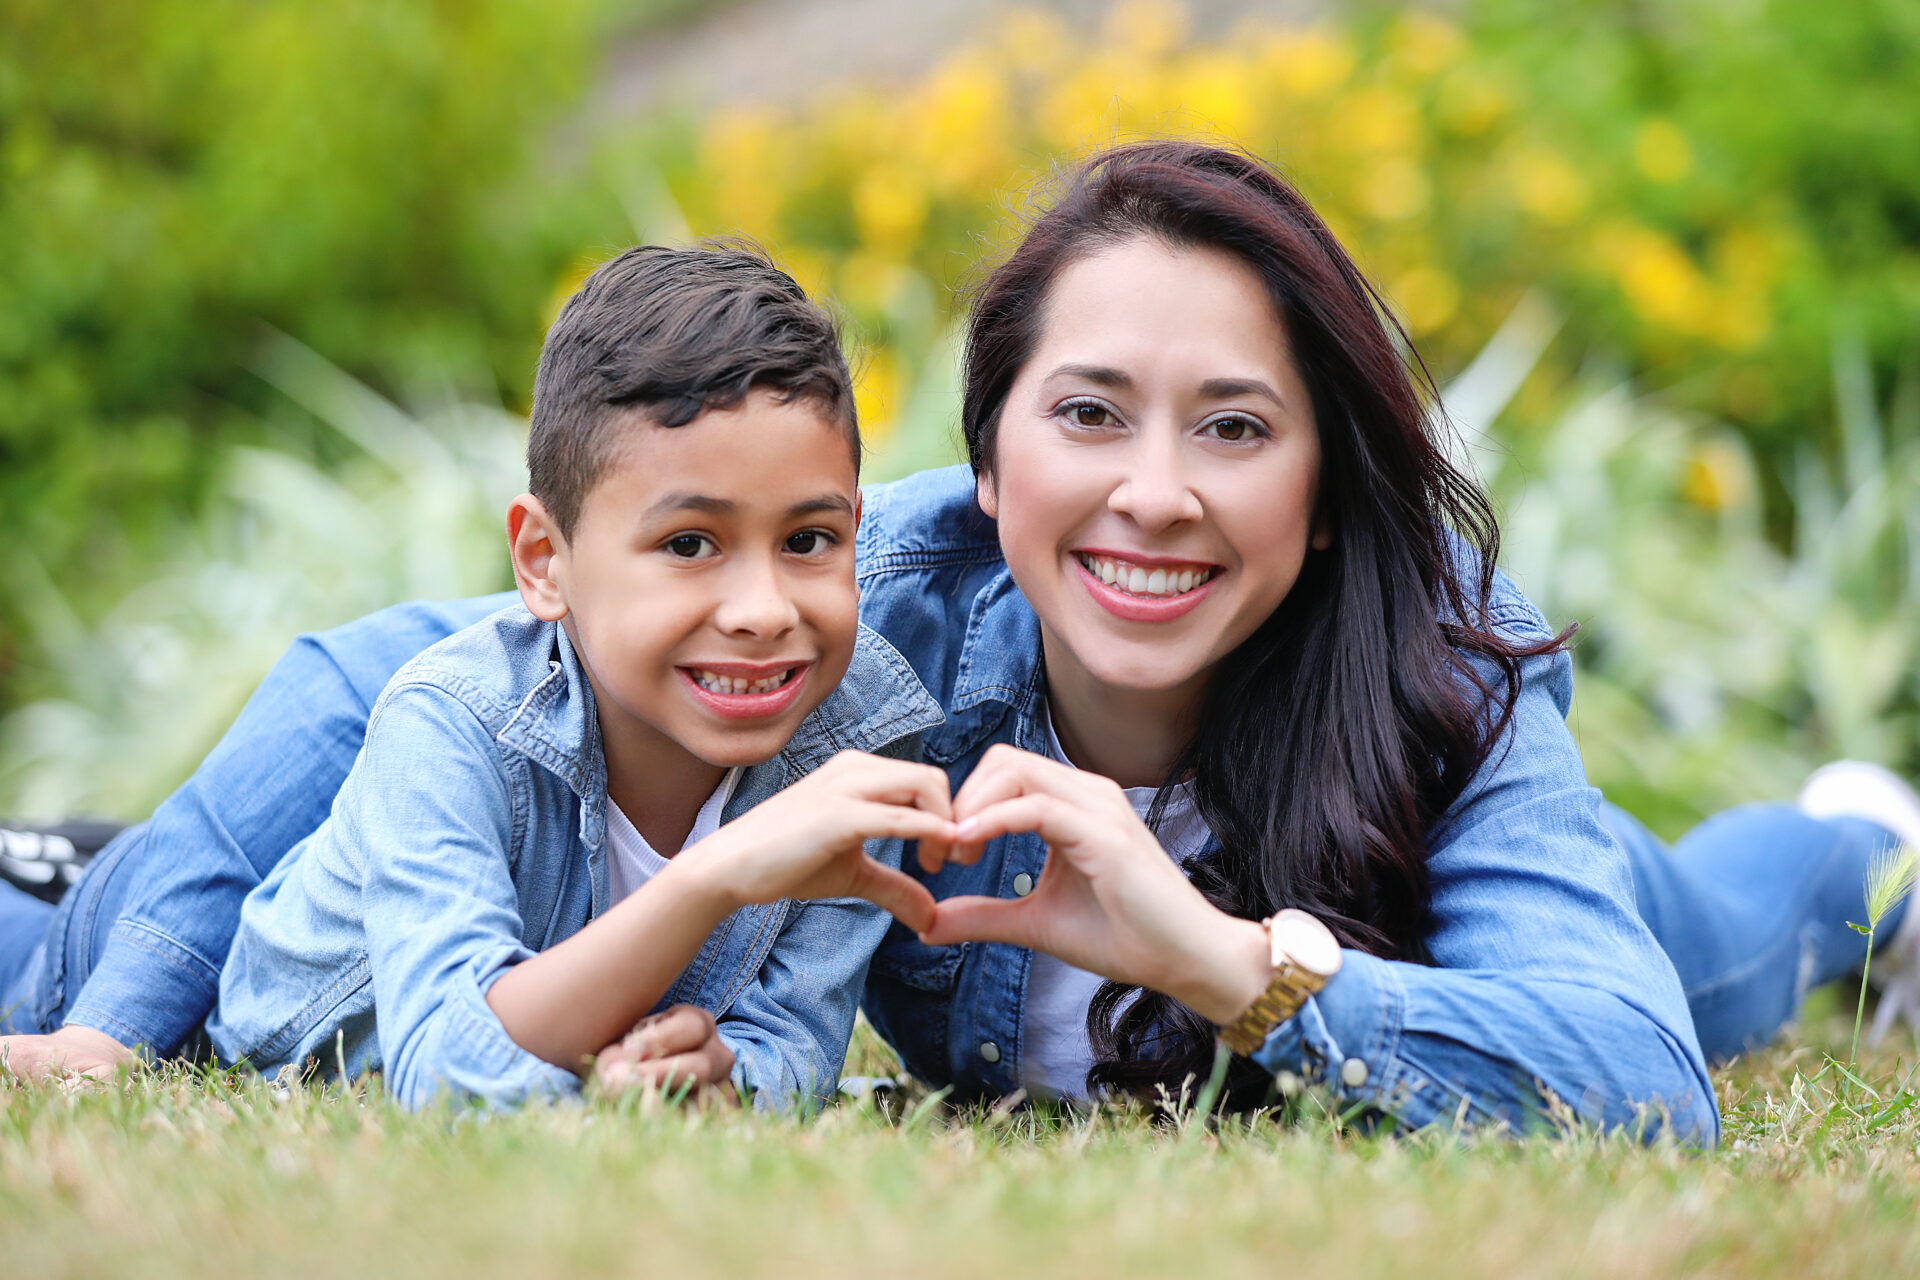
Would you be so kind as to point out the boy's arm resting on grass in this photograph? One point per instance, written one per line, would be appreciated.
(267, 784)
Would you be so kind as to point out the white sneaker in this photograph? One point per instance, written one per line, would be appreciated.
(1856, 789)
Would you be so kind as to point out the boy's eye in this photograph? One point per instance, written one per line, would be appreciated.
(688, 546)
(809, 541)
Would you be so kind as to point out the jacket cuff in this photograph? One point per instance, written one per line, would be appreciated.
(149, 991)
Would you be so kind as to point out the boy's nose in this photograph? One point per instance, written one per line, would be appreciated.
(756, 603)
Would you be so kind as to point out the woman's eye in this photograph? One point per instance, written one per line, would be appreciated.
(808, 541)
(1087, 414)
(1234, 430)
(688, 546)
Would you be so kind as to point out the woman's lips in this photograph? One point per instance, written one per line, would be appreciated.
(1133, 608)
(747, 706)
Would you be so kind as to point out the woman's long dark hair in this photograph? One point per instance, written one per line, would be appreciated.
(1336, 736)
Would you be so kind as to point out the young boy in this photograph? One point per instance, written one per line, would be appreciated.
(527, 856)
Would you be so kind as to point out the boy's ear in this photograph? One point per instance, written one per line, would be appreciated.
(539, 558)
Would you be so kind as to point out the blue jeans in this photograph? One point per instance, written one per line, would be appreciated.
(1752, 906)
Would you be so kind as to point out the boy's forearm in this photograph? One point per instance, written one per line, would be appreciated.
(571, 1001)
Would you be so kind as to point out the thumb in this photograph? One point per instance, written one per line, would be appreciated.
(982, 919)
(895, 892)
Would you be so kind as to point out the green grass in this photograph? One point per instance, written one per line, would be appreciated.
(185, 1175)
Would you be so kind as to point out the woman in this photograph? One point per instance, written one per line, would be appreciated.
(1208, 575)
(1229, 569)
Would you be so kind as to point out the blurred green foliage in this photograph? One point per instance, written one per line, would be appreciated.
(180, 177)
(1716, 201)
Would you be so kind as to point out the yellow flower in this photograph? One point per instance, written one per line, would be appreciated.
(1394, 189)
(1377, 119)
(960, 121)
(1427, 298)
(1471, 101)
(1659, 280)
(1716, 478)
(1307, 64)
(1547, 187)
(741, 155)
(1425, 43)
(1660, 151)
(876, 392)
(1214, 91)
(889, 207)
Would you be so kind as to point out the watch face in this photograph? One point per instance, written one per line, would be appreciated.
(1305, 941)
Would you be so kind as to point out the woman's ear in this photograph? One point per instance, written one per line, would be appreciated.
(986, 495)
(1322, 536)
(539, 553)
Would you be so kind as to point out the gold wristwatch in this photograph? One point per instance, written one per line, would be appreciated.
(1305, 956)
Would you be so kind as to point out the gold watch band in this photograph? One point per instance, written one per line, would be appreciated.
(1289, 989)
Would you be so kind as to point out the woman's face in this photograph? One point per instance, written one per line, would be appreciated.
(1156, 467)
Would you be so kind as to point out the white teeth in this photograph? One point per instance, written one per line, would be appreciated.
(714, 682)
(1137, 581)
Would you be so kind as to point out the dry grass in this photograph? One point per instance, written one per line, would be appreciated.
(185, 1175)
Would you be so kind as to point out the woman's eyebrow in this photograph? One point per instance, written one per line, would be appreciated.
(1222, 388)
(1098, 374)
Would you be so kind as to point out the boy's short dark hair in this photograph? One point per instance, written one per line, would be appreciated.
(674, 332)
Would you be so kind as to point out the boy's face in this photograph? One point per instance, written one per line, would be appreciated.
(708, 585)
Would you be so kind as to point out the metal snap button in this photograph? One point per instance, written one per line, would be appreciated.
(1022, 885)
(989, 1051)
(1353, 1073)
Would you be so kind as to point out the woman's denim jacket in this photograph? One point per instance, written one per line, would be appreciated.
(471, 833)
(1544, 980)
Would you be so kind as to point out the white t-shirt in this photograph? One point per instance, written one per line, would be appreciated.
(631, 861)
(1056, 1054)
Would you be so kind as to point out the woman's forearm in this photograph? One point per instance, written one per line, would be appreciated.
(569, 1002)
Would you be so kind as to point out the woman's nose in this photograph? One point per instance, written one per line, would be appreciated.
(1153, 488)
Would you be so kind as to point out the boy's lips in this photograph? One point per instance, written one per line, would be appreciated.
(1144, 588)
(746, 690)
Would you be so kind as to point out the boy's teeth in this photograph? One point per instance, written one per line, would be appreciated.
(1134, 580)
(713, 682)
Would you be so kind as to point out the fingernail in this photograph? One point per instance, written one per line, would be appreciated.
(966, 828)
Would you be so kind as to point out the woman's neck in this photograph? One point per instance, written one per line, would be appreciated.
(1133, 736)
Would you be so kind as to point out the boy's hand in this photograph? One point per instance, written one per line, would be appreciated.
(675, 1048)
(70, 1051)
(809, 841)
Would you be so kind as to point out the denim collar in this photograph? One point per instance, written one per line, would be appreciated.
(999, 673)
(879, 701)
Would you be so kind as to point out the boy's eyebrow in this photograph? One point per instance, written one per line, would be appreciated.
(837, 503)
(684, 501)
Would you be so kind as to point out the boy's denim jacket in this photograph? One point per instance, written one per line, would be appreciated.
(1544, 978)
(471, 833)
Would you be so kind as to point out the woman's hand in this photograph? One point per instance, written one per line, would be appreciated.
(1109, 900)
(675, 1048)
(809, 841)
